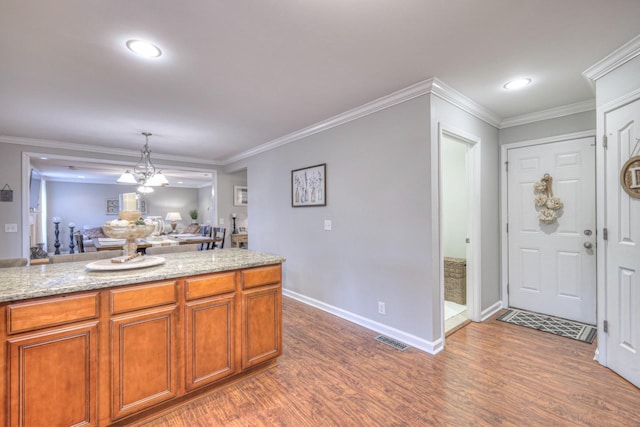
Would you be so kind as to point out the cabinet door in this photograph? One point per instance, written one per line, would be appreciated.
(53, 378)
(210, 333)
(261, 325)
(143, 346)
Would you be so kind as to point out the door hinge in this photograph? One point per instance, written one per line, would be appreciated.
(605, 326)
(605, 142)
(507, 289)
(506, 166)
(507, 227)
(605, 234)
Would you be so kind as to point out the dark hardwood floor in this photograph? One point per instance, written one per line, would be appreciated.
(333, 373)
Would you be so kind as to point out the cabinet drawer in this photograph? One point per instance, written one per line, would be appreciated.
(51, 312)
(212, 284)
(145, 296)
(261, 276)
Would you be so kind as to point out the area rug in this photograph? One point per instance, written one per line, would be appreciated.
(566, 328)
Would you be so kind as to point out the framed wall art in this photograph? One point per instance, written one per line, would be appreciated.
(309, 186)
(240, 196)
(113, 207)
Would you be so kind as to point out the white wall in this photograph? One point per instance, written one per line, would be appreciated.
(455, 197)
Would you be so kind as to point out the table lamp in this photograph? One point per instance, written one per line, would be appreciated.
(174, 217)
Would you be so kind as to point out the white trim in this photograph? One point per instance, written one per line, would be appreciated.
(614, 60)
(601, 219)
(459, 100)
(58, 145)
(490, 311)
(412, 340)
(474, 262)
(430, 86)
(504, 237)
(26, 171)
(552, 113)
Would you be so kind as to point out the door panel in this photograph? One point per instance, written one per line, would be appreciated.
(622, 219)
(550, 270)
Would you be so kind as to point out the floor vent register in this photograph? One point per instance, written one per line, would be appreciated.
(393, 343)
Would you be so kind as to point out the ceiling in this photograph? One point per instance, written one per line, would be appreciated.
(238, 74)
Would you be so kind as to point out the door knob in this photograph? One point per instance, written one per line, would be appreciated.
(588, 245)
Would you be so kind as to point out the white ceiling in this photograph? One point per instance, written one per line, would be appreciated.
(237, 74)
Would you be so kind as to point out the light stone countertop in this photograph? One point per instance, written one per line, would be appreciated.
(19, 283)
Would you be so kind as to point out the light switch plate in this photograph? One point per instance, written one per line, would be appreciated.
(327, 225)
(11, 228)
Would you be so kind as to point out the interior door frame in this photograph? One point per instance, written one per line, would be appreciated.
(504, 236)
(474, 260)
(601, 219)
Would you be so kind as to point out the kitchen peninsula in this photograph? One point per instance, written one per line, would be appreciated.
(100, 348)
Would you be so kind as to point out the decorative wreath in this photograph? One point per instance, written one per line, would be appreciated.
(545, 201)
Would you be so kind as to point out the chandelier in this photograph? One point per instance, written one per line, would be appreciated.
(144, 172)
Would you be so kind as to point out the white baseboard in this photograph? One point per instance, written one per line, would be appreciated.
(412, 340)
(488, 312)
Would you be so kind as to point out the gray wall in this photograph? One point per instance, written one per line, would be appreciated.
(84, 204)
(226, 182)
(619, 82)
(549, 128)
(379, 199)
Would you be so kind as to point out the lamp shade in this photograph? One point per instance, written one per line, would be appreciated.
(173, 216)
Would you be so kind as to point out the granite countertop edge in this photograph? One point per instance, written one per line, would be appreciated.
(21, 283)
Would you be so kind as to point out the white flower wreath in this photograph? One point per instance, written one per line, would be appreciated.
(544, 199)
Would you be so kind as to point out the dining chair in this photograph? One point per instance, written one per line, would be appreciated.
(156, 250)
(206, 232)
(219, 234)
(13, 262)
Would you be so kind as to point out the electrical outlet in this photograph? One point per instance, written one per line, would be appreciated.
(381, 308)
(327, 225)
(11, 228)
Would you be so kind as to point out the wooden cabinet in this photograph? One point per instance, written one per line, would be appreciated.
(261, 315)
(210, 328)
(143, 344)
(52, 361)
(53, 377)
(97, 358)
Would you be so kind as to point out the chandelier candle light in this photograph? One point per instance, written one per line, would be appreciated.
(144, 173)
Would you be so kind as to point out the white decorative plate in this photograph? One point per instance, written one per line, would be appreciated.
(139, 262)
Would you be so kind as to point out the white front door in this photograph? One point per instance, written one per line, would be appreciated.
(552, 267)
(622, 248)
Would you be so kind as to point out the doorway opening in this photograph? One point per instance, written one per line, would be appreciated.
(460, 242)
(455, 230)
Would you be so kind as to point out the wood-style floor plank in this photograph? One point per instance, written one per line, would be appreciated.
(333, 373)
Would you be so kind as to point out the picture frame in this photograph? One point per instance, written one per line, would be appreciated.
(240, 195)
(142, 204)
(112, 207)
(309, 186)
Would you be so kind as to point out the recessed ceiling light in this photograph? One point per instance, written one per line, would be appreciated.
(517, 84)
(144, 49)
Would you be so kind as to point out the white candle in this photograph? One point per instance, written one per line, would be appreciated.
(129, 202)
(233, 215)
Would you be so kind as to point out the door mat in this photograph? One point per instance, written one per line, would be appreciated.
(542, 322)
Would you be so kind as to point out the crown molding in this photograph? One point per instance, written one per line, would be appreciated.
(425, 87)
(447, 93)
(403, 95)
(97, 149)
(552, 113)
(615, 59)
